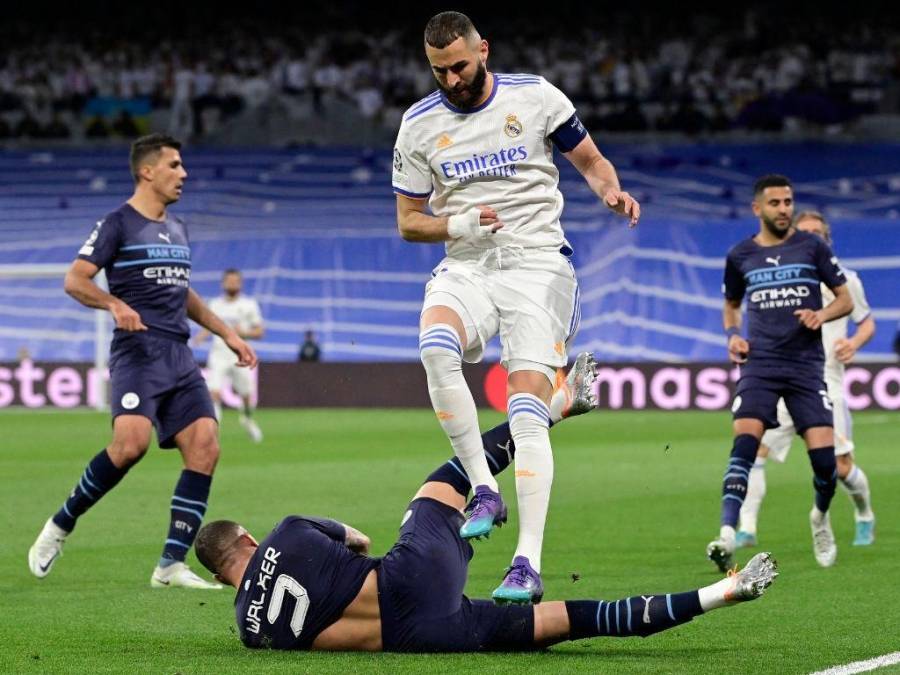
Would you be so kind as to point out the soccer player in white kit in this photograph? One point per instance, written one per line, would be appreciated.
(479, 153)
(839, 350)
(241, 313)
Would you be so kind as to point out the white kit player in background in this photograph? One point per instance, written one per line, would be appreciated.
(478, 153)
(839, 350)
(242, 314)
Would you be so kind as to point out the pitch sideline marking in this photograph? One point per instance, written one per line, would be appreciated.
(862, 666)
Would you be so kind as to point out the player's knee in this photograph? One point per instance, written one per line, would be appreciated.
(844, 465)
(440, 350)
(203, 455)
(125, 452)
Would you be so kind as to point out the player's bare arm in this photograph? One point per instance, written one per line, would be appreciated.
(738, 347)
(80, 285)
(842, 306)
(601, 176)
(845, 348)
(198, 311)
(356, 541)
(416, 225)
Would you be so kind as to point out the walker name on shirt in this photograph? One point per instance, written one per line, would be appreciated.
(501, 163)
(266, 570)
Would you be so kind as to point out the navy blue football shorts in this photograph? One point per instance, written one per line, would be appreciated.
(157, 377)
(420, 590)
(805, 395)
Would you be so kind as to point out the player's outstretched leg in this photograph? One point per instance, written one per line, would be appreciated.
(131, 436)
(574, 395)
(99, 477)
(498, 445)
(441, 347)
(644, 615)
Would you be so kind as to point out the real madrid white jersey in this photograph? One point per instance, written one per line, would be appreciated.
(242, 314)
(498, 154)
(837, 329)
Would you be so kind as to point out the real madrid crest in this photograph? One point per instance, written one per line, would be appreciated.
(513, 127)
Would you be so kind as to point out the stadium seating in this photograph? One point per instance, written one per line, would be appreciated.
(314, 231)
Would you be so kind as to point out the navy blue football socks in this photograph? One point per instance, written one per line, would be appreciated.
(640, 615)
(499, 449)
(99, 477)
(734, 485)
(188, 509)
(824, 466)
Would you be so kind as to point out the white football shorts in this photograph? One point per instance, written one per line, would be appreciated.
(222, 368)
(529, 296)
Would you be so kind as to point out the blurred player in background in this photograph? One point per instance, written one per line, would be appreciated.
(839, 350)
(310, 584)
(155, 381)
(478, 153)
(243, 315)
(780, 270)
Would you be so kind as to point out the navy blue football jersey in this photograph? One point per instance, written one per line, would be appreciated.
(298, 583)
(777, 281)
(147, 264)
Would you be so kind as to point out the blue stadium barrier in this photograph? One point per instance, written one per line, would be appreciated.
(315, 233)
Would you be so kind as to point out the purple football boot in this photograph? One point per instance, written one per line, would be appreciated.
(521, 585)
(484, 511)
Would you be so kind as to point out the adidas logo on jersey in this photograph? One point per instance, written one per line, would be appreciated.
(444, 142)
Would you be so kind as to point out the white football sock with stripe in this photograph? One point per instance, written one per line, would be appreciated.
(441, 354)
(529, 420)
(756, 492)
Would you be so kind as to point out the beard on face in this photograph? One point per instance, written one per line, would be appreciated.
(775, 229)
(231, 292)
(467, 95)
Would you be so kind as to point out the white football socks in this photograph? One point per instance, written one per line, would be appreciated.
(756, 492)
(857, 485)
(441, 354)
(529, 420)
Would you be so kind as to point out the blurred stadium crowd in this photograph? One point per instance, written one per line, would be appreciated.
(768, 68)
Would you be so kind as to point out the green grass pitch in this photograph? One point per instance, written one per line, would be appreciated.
(635, 501)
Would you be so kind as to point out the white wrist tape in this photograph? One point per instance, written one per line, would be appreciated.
(467, 226)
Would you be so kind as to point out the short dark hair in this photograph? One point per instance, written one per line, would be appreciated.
(231, 270)
(145, 146)
(215, 543)
(770, 180)
(446, 27)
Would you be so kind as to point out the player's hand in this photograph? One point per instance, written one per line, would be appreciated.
(809, 318)
(126, 318)
(478, 223)
(356, 541)
(844, 350)
(624, 204)
(738, 348)
(246, 356)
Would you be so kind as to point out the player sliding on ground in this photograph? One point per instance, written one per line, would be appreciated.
(310, 585)
(478, 152)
